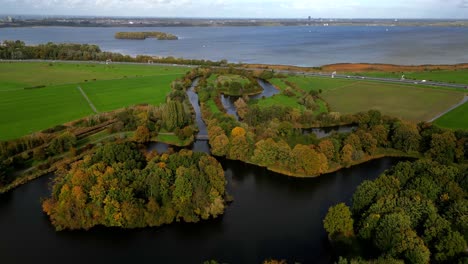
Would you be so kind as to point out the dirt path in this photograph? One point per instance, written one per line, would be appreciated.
(87, 99)
(465, 99)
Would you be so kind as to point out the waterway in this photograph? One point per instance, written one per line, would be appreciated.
(298, 45)
(272, 216)
(228, 101)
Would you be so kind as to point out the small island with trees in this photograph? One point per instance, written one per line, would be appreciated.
(145, 35)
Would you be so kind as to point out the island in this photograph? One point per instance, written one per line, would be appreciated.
(145, 35)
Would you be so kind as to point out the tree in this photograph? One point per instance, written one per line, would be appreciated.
(328, 149)
(406, 137)
(241, 107)
(174, 115)
(347, 155)
(142, 134)
(380, 133)
(363, 197)
(449, 246)
(443, 147)
(239, 147)
(308, 160)
(338, 221)
(391, 231)
(219, 145)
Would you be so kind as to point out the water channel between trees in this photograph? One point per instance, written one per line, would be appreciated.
(272, 216)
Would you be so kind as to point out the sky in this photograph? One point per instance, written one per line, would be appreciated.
(446, 9)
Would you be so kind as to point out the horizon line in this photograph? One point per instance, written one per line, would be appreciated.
(226, 17)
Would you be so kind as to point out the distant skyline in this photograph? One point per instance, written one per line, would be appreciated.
(422, 9)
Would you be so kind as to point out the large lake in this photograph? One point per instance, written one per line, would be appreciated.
(304, 46)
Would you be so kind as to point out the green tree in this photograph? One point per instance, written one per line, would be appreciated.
(443, 147)
(406, 137)
(338, 221)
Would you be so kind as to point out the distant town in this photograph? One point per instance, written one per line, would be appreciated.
(30, 21)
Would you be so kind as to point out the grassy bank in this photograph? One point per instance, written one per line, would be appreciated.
(455, 119)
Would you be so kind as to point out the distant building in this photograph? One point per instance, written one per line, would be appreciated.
(9, 19)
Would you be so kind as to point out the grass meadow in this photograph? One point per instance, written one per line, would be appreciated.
(410, 102)
(23, 111)
(15, 75)
(455, 119)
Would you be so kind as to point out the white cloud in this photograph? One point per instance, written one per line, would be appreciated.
(243, 8)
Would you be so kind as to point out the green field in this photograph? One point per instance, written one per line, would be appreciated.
(456, 76)
(410, 102)
(14, 75)
(26, 111)
(23, 111)
(455, 119)
(232, 78)
(113, 94)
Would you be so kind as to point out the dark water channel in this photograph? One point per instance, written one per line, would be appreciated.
(228, 101)
(272, 216)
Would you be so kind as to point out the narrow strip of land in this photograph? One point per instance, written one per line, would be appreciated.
(87, 99)
(465, 99)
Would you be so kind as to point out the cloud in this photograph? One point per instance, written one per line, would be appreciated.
(243, 8)
(463, 4)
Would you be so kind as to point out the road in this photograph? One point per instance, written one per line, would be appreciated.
(318, 74)
(465, 99)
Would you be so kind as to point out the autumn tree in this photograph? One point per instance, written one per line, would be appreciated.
(406, 137)
(443, 147)
(142, 134)
(338, 221)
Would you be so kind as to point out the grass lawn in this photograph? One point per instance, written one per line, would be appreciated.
(232, 78)
(114, 94)
(458, 76)
(172, 140)
(18, 75)
(407, 102)
(25, 111)
(213, 108)
(456, 119)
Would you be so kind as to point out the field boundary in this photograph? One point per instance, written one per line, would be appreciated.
(87, 99)
(465, 99)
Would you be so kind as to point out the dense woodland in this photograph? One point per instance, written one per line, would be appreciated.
(145, 35)
(18, 50)
(119, 186)
(415, 212)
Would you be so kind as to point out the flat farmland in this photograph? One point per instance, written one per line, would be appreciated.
(455, 119)
(18, 75)
(410, 102)
(113, 94)
(406, 102)
(24, 111)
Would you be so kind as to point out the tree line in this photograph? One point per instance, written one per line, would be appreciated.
(18, 50)
(415, 212)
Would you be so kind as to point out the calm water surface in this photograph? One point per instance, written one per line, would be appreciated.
(272, 216)
(301, 45)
